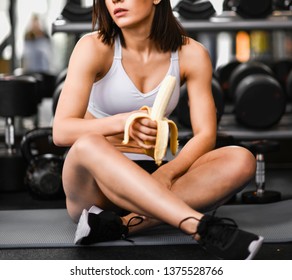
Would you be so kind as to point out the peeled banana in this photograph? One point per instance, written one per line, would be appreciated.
(157, 113)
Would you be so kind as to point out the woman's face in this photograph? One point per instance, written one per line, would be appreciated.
(131, 13)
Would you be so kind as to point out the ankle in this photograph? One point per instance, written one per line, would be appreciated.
(189, 225)
(134, 223)
(131, 219)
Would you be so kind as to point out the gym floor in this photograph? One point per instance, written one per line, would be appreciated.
(278, 177)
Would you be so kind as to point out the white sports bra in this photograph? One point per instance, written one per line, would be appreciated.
(116, 93)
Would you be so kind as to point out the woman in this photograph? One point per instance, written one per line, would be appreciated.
(38, 48)
(111, 74)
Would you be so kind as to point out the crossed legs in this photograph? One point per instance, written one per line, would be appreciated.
(95, 173)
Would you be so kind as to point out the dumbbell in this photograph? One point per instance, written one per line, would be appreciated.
(183, 111)
(18, 98)
(195, 9)
(289, 86)
(259, 100)
(58, 88)
(249, 8)
(223, 73)
(282, 5)
(61, 77)
(43, 177)
(281, 69)
(46, 83)
(73, 11)
(261, 195)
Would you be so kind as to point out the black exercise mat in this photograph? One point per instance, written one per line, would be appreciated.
(273, 220)
(53, 227)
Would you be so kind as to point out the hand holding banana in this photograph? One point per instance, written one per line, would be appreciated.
(157, 113)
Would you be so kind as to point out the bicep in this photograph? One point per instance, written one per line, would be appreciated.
(80, 77)
(201, 102)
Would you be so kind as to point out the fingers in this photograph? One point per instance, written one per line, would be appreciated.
(144, 131)
(146, 128)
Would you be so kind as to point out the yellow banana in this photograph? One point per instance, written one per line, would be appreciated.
(157, 113)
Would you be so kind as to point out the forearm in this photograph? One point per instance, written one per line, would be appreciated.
(192, 150)
(67, 131)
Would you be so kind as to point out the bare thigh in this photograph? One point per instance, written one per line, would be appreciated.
(81, 188)
(215, 177)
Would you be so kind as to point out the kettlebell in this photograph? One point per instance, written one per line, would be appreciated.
(43, 176)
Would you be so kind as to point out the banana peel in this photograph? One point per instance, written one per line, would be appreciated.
(165, 128)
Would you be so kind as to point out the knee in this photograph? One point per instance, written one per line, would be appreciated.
(88, 145)
(245, 162)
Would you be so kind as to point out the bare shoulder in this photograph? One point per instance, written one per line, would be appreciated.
(90, 50)
(194, 49)
(92, 41)
(194, 58)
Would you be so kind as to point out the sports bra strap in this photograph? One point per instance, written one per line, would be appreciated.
(174, 55)
(118, 48)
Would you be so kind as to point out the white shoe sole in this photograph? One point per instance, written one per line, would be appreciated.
(83, 228)
(254, 247)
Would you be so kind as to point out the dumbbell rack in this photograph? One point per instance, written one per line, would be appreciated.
(18, 99)
(227, 21)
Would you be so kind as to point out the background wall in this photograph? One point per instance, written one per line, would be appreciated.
(48, 10)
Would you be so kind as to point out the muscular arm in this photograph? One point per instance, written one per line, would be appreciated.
(90, 60)
(197, 73)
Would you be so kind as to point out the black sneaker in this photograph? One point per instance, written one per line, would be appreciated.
(223, 238)
(97, 225)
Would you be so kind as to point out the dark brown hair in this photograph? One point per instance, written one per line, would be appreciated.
(166, 31)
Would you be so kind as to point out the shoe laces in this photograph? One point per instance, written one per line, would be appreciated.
(214, 230)
(140, 220)
(184, 220)
(217, 231)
